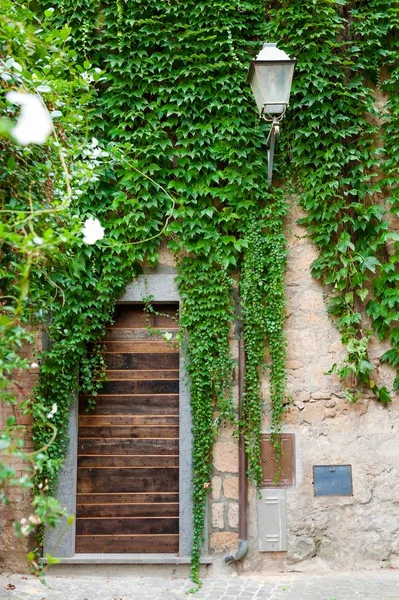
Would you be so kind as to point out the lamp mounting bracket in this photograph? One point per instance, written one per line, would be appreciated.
(269, 117)
(271, 141)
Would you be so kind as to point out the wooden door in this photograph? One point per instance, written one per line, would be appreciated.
(128, 446)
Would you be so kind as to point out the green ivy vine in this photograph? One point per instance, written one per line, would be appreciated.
(332, 142)
(206, 318)
(262, 291)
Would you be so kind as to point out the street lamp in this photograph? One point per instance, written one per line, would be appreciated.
(270, 77)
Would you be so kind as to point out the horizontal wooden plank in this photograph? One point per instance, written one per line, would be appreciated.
(134, 544)
(93, 420)
(167, 386)
(128, 374)
(138, 479)
(128, 461)
(134, 315)
(169, 509)
(119, 498)
(125, 333)
(149, 404)
(130, 447)
(129, 432)
(142, 347)
(139, 360)
(127, 525)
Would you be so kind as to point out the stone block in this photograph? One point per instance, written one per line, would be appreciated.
(230, 487)
(330, 413)
(335, 347)
(226, 456)
(294, 364)
(303, 396)
(313, 413)
(290, 417)
(300, 405)
(321, 395)
(227, 431)
(317, 322)
(222, 541)
(312, 301)
(302, 344)
(300, 548)
(233, 515)
(218, 515)
(216, 487)
(303, 259)
(330, 403)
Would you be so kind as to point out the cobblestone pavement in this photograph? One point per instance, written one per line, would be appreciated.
(383, 585)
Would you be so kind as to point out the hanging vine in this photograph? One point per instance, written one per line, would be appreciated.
(206, 318)
(262, 291)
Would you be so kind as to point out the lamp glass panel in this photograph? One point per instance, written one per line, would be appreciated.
(274, 82)
(256, 90)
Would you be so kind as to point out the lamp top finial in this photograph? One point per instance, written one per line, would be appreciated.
(271, 52)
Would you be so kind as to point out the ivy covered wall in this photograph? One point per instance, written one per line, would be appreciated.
(181, 155)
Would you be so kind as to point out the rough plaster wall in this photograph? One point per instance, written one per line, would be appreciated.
(13, 550)
(324, 532)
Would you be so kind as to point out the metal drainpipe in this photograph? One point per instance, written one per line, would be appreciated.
(242, 548)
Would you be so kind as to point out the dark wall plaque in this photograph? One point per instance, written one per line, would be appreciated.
(286, 476)
(333, 480)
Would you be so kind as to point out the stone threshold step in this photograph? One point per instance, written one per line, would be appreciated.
(130, 559)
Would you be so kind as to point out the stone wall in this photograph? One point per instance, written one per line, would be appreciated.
(331, 532)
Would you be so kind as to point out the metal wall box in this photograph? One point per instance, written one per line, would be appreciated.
(333, 480)
(272, 521)
(287, 461)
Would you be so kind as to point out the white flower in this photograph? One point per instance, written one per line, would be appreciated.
(52, 412)
(25, 530)
(34, 365)
(34, 124)
(96, 152)
(87, 77)
(92, 231)
(167, 336)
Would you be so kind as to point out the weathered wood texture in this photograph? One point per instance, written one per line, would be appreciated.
(132, 544)
(153, 404)
(118, 360)
(128, 446)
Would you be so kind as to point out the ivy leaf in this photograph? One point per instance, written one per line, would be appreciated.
(363, 293)
(391, 357)
(345, 242)
(384, 395)
(370, 263)
(365, 366)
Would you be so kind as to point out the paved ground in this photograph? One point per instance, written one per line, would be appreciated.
(382, 585)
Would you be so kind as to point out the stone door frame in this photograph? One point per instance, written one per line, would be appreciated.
(60, 541)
